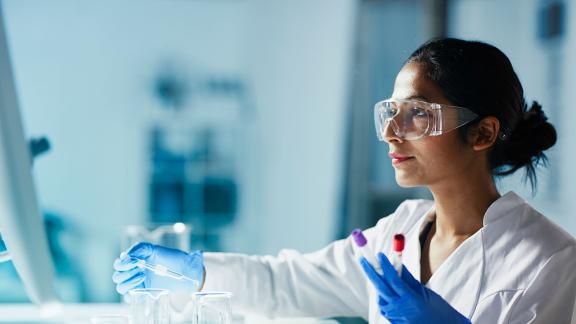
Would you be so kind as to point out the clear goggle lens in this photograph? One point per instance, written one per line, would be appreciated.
(412, 119)
(407, 120)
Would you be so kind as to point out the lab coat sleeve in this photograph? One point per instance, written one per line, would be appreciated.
(329, 282)
(550, 297)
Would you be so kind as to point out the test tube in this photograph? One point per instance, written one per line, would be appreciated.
(367, 253)
(397, 247)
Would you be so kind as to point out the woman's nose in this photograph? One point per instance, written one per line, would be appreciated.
(390, 132)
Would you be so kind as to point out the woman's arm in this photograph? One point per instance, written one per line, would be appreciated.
(328, 282)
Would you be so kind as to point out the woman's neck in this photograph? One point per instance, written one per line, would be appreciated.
(461, 204)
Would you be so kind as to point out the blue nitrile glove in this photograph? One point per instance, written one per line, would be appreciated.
(405, 300)
(129, 275)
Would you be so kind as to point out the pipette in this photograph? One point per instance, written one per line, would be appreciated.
(160, 269)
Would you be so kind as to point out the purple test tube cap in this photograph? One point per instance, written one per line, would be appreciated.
(359, 237)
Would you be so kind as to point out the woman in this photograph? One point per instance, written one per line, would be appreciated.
(456, 120)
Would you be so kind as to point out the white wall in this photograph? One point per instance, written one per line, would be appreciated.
(301, 73)
(569, 119)
(84, 69)
(511, 25)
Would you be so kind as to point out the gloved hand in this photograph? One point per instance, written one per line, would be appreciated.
(130, 275)
(405, 300)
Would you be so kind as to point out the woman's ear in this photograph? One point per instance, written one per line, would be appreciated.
(484, 134)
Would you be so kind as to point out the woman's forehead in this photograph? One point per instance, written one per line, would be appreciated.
(412, 83)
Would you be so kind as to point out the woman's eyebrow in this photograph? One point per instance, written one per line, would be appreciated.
(417, 97)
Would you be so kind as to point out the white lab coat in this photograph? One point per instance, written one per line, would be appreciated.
(519, 268)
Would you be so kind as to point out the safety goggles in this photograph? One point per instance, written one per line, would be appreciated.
(413, 119)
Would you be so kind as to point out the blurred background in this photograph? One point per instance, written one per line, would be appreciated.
(249, 121)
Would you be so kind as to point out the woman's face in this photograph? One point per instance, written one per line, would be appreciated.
(429, 160)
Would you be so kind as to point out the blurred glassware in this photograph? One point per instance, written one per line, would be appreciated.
(176, 235)
(150, 306)
(213, 307)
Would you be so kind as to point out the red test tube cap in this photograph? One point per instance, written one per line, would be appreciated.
(398, 244)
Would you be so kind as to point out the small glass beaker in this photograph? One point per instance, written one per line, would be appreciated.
(150, 306)
(213, 307)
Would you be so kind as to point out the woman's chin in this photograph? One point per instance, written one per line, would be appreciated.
(407, 181)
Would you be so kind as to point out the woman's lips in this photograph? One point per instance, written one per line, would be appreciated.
(399, 158)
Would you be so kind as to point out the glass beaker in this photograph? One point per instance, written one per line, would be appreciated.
(150, 306)
(213, 307)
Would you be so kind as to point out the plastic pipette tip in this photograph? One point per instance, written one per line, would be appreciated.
(359, 237)
(398, 244)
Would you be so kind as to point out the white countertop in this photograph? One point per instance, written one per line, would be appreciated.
(81, 313)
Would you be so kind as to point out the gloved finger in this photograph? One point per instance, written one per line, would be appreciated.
(127, 290)
(382, 302)
(384, 289)
(142, 250)
(382, 306)
(393, 313)
(121, 276)
(131, 283)
(197, 259)
(125, 264)
(391, 276)
(410, 280)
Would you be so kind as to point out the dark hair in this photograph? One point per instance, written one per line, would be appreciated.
(480, 77)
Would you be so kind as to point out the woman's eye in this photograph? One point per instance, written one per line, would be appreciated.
(420, 113)
(391, 112)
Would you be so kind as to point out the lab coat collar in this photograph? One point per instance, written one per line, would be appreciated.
(462, 295)
(502, 207)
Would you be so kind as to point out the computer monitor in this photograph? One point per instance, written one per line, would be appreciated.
(21, 224)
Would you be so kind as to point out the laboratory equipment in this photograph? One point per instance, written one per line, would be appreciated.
(193, 144)
(397, 247)
(20, 218)
(213, 307)
(160, 269)
(168, 268)
(367, 253)
(150, 306)
(172, 235)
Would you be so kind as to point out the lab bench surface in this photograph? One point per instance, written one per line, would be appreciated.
(81, 314)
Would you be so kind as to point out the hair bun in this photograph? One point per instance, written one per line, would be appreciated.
(535, 115)
(530, 137)
(534, 130)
